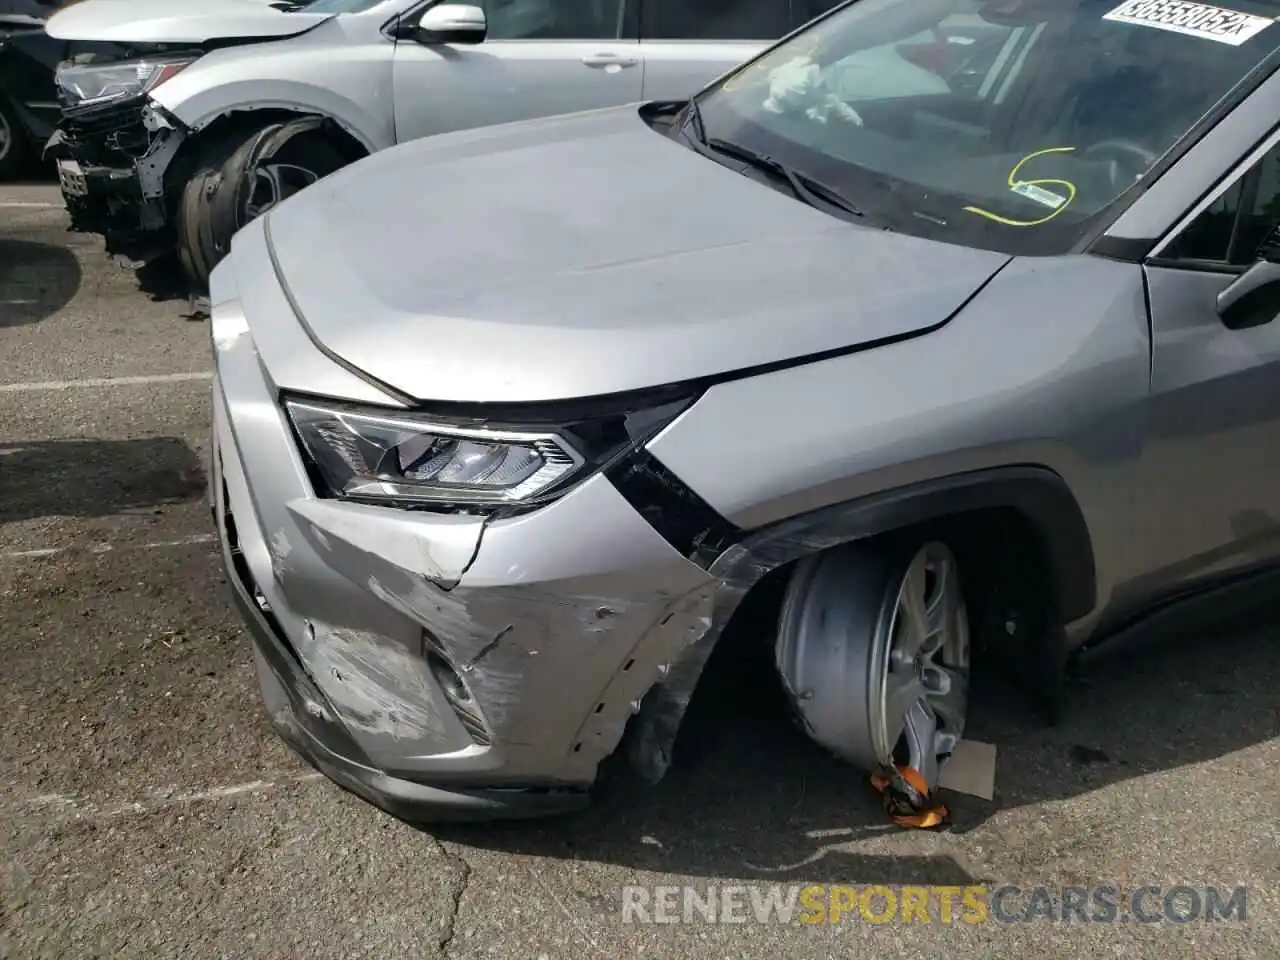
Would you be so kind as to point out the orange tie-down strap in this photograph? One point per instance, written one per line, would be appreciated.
(906, 799)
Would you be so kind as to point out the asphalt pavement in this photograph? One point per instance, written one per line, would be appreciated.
(146, 810)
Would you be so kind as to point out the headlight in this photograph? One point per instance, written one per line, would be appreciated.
(84, 85)
(409, 459)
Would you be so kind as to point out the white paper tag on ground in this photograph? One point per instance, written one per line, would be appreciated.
(971, 770)
(1192, 19)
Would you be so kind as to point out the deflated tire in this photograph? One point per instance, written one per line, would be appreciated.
(237, 179)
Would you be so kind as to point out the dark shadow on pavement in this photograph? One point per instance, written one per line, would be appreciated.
(96, 478)
(751, 798)
(162, 279)
(36, 281)
(38, 173)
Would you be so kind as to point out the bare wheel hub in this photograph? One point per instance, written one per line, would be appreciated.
(875, 655)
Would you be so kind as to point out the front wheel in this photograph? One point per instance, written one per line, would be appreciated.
(238, 180)
(873, 649)
(13, 142)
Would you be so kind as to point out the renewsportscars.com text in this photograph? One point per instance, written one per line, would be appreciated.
(876, 904)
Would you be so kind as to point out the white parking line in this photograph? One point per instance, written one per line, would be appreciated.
(195, 539)
(103, 382)
(37, 204)
(157, 799)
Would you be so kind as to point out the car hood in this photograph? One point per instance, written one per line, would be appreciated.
(587, 254)
(177, 21)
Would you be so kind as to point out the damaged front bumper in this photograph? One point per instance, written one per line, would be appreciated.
(442, 666)
(111, 164)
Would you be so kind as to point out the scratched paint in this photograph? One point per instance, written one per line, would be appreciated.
(375, 684)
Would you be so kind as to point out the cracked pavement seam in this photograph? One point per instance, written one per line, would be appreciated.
(463, 881)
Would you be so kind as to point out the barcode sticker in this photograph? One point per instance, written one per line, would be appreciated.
(1192, 19)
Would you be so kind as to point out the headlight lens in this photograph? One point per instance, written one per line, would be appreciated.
(408, 459)
(87, 84)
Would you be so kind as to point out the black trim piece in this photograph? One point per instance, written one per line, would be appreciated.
(1038, 493)
(389, 390)
(1244, 209)
(546, 414)
(630, 26)
(1124, 249)
(1196, 266)
(686, 521)
(1214, 603)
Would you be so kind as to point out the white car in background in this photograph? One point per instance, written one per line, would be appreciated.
(212, 112)
(198, 117)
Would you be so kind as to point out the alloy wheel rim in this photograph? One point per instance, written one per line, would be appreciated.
(922, 665)
(6, 136)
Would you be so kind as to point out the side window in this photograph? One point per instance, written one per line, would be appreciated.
(553, 19)
(1233, 229)
(716, 19)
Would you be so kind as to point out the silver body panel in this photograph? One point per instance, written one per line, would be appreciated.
(586, 255)
(568, 260)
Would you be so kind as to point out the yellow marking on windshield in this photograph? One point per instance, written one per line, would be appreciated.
(1014, 183)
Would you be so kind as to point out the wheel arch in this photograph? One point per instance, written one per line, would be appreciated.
(1037, 494)
(243, 121)
(203, 215)
(207, 105)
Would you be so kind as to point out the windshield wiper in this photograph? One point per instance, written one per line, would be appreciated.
(806, 189)
(693, 118)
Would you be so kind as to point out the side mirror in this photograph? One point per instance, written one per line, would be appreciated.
(450, 23)
(1253, 298)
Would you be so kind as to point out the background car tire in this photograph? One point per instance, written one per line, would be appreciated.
(232, 177)
(13, 143)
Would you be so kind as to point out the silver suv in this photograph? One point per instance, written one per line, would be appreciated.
(508, 422)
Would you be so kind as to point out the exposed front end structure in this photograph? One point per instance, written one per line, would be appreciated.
(112, 160)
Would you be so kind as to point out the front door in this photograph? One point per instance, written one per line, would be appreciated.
(1214, 456)
(539, 58)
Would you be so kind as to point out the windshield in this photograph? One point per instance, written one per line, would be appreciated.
(1008, 124)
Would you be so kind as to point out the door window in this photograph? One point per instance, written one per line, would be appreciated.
(554, 19)
(1233, 230)
(716, 19)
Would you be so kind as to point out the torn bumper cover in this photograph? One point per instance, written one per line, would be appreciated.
(442, 666)
(111, 163)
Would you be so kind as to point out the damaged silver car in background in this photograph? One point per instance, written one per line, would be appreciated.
(203, 115)
(508, 422)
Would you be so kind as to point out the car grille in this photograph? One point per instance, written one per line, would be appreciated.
(96, 134)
